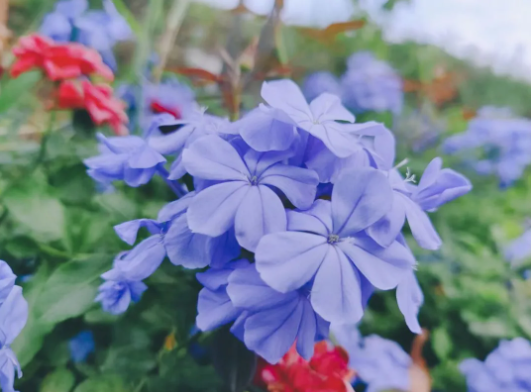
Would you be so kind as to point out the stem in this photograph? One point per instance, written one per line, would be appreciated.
(179, 189)
(44, 141)
(173, 24)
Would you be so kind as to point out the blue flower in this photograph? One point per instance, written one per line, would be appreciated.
(81, 346)
(214, 307)
(171, 237)
(267, 321)
(436, 187)
(330, 238)
(125, 158)
(242, 195)
(169, 97)
(375, 148)
(320, 82)
(501, 143)
(370, 84)
(266, 129)
(120, 287)
(504, 369)
(519, 249)
(58, 25)
(13, 317)
(99, 29)
(169, 135)
(381, 364)
(410, 298)
(319, 118)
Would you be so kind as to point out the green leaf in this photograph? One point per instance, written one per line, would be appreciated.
(30, 340)
(14, 89)
(67, 292)
(61, 380)
(39, 214)
(107, 383)
(71, 289)
(441, 342)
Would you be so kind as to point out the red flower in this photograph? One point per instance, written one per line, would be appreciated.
(58, 61)
(327, 371)
(98, 100)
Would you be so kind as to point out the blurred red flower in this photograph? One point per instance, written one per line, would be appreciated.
(97, 100)
(58, 61)
(327, 371)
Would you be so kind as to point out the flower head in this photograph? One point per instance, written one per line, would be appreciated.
(13, 317)
(499, 141)
(506, 368)
(126, 158)
(321, 82)
(122, 284)
(58, 25)
(326, 371)
(242, 195)
(330, 238)
(99, 29)
(97, 100)
(381, 364)
(268, 322)
(437, 186)
(58, 61)
(371, 84)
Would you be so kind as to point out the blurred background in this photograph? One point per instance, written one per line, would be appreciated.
(450, 78)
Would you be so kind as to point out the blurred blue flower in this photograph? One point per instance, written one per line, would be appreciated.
(13, 317)
(81, 346)
(126, 158)
(495, 143)
(420, 129)
(505, 369)
(320, 82)
(170, 97)
(99, 29)
(519, 249)
(380, 363)
(370, 84)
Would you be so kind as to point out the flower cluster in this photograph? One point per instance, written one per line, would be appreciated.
(313, 199)
(368, 84)
(13, 317)
(502, 143)
(169, 100)
(69, 66)
(72, 21)
(504, 369)
(328, 370)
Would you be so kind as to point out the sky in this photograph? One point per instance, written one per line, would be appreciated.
(488, 32)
